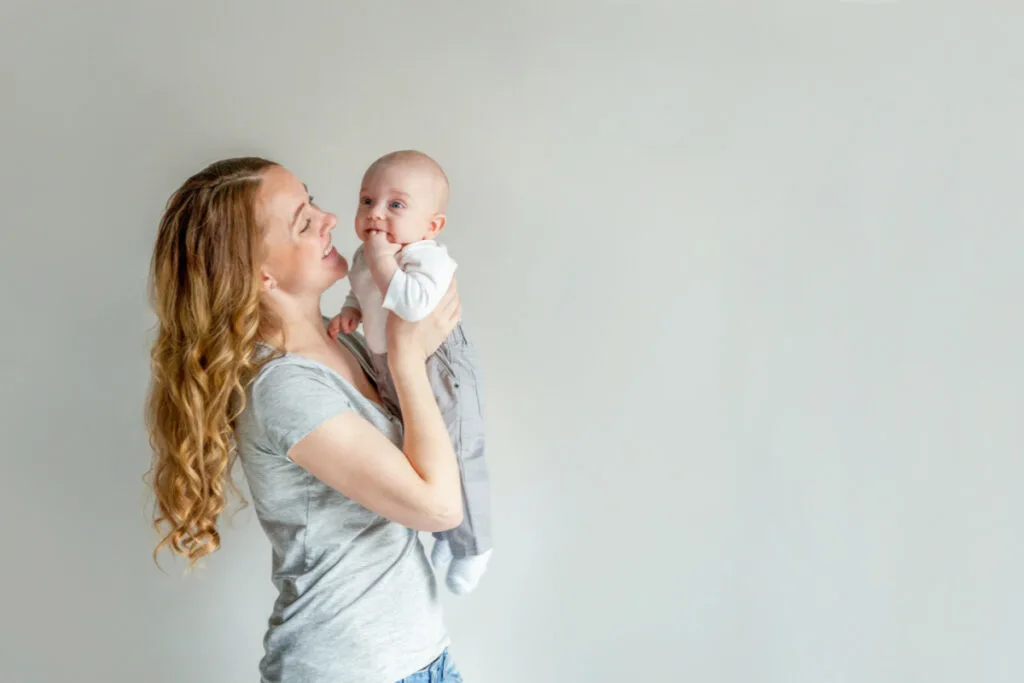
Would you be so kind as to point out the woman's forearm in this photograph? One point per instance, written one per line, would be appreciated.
(427, 444)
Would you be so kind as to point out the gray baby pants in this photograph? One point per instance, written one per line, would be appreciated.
(455, 379)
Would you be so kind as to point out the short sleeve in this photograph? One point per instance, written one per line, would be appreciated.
(289, 401)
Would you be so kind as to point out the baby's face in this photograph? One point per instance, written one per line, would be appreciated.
(400, 200)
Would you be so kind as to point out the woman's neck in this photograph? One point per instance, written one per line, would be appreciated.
(302, 326)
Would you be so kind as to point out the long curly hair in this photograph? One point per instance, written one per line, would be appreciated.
(205, 290)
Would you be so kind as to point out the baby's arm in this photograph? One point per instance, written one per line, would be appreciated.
(348, 320)
(380, 258)
(351, 312)
(351, 301)
(423, 271)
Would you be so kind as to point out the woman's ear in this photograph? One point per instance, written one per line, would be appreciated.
(436, 225)
(266, 282)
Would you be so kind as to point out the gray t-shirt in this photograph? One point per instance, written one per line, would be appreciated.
(357, 597)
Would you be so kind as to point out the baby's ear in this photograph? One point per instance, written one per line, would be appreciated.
(436, 225)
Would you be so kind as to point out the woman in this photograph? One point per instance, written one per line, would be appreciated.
(243, 364)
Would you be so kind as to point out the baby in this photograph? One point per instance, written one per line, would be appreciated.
(400, 268)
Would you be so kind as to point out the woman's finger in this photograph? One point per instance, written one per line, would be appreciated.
(456, 313)
(449, 301)
(454, 308)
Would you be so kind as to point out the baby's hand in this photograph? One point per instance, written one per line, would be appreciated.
(377, 246)
(347, 321)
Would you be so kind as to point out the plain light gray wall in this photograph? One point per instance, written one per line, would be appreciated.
(746, 278)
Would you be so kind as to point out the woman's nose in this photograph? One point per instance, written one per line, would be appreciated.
(330, 222)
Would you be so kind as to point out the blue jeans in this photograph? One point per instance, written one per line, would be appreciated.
(441, 670)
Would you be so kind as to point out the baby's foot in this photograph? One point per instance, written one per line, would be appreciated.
(465, 573)
(441, 556)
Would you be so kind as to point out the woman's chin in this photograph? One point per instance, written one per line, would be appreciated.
(337, 263)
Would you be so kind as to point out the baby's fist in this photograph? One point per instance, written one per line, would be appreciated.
(377, 245)
(345, 322)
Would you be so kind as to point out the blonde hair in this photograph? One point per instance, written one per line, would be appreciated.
(205, 290)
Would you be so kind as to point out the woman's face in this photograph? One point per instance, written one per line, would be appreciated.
(300, 257)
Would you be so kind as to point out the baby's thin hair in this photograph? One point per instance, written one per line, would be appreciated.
(412, 156)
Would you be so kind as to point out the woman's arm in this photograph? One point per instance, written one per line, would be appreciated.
(418, 485)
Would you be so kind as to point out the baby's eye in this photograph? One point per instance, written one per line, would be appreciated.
(365, 201)
(396, 205)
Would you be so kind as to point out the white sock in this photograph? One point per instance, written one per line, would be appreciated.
(441, 556)
(465, 573)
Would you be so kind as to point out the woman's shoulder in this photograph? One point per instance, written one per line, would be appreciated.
(288, 379)
(278, 366)
(289, 397)
(284, 375)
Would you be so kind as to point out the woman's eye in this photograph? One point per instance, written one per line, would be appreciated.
(309, 221)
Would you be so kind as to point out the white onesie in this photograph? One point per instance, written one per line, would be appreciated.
(425, 271)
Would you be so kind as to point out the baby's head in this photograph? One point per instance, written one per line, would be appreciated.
(405, 195)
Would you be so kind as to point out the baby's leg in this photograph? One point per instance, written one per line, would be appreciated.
(463, 553)
(385, 384)
(468, 545)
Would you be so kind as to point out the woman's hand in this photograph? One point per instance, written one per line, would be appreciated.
(416, 341)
